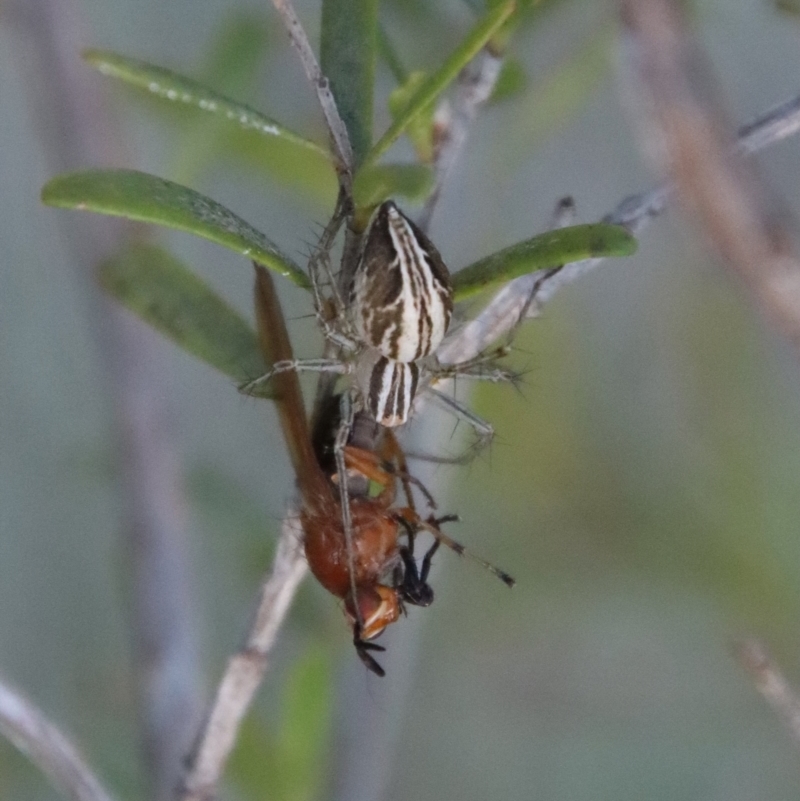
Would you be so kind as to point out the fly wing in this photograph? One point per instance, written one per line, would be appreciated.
(276, 346)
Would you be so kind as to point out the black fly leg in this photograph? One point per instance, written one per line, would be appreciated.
(426, 563)
(363, 648)
(414, 588)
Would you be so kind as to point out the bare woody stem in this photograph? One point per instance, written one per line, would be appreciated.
(453, 120)
(634, 212)
(679, 109)
(77, 129)
(245, 669)
(36, 737)
(321, 85)
(772, 685)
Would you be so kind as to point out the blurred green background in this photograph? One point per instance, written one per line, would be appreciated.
(643, 487)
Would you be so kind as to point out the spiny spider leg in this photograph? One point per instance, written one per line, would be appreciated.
(260, 385)
(322, 251)
(468, 366)
(321, 258)
(342, 435)
(394, 451)
(483, 430)
(523, 312)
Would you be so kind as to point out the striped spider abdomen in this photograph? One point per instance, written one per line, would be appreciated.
(388, 387)
(401, 299)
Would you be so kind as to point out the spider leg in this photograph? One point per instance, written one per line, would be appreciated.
(259, 387)
(345, 427)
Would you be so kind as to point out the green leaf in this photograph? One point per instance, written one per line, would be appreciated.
(547, 250)
(179, 89)
(788, 6)
(236, 52)
(146, 198)
(376, 184)
(348, 54)
(307, 711)
(444, 76)
(289, 763)
(390, 56)
(299, 170)
(157, 287)
(511, 82)
(420, 129)
(234, 62)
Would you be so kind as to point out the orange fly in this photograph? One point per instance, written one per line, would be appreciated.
(359, 545)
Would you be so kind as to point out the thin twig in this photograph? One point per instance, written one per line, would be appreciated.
(245, 669)
(36, 737)
(681, 115)
(634, 212)
(336, 126)
(772, 685)
(453, 120)
(72, 114)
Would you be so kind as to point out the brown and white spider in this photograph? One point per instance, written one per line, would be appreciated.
(389, 311)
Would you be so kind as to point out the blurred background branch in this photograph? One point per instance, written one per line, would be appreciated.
(36, 737)
(684, 130)
(772, 685)
(245, 670)
(72, 112)
(661, 430)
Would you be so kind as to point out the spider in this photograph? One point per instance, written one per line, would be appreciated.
(359, 544)
(399, 304)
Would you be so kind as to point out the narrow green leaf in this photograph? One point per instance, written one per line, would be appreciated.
(511, 82)
(376, 184)
(234, 61)
(420, 129)
(179, 89)
(347, 54)
(561, 246)
(165, 294)
(390, 56)
(278, 160)
(236, 51)
(306, 719)
(788, 6)
(444, 76)
(144, 197)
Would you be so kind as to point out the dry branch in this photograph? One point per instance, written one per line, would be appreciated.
(321, 85)
(681, 116)
(73, 116)
(453, 120)
(245, 669)
(634, 212)
(772, 685)
(36, 737)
